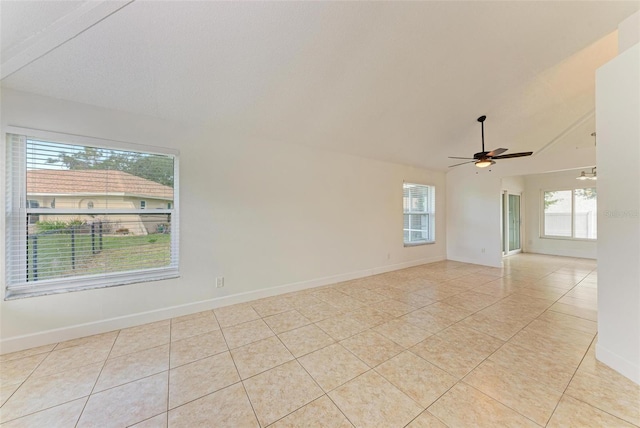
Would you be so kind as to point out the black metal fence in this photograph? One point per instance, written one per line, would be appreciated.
(61, 253)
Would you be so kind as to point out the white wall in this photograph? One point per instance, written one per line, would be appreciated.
(629, 32)
(473, 216)
(618, 128)
(513, 185)
(533, 243)
(260, 213)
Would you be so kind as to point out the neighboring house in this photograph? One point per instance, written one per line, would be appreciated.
(85, 189)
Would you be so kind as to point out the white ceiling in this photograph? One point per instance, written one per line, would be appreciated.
(396, 81)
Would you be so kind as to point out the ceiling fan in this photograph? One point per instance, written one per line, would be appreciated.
(484, 159)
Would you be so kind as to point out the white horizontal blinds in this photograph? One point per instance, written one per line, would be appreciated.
(81, 213)
(107, 174)
(16, 220)
(419, 210)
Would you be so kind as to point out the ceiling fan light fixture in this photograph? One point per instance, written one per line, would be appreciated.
(483, 163)
(588, 175)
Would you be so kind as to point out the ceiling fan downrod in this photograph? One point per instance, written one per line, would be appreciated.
(481, 119)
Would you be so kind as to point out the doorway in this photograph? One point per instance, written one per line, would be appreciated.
(511, 224)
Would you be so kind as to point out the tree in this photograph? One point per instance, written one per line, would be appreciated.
(151, 167)
(154, 168)
(588, 193)
(549, 199)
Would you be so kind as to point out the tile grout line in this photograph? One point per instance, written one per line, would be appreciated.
(169, 367)
(500, 402)
(97, 378)
(571, 379)
(241, 381)
(246, 393)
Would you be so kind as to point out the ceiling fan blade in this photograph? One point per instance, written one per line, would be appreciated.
(482, 159)
(458, 164)
(496, 152)
(513, 155)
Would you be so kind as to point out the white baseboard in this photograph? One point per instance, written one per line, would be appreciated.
(563, 253)
(625, 367)
(18, 343)
(473, 261)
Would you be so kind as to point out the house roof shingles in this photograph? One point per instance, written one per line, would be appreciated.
(57, 182)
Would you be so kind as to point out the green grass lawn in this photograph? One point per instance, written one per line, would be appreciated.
(118, 253)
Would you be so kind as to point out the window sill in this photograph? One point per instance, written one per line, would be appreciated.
(66, 285)
(417, 244)
(569, 238)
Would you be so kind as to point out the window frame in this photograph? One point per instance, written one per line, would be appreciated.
(430, 212)
(16, 213)
(542, 234)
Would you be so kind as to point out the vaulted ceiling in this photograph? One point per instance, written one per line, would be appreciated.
(396, 81)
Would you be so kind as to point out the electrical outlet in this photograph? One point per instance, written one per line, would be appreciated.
(483, 250)
(220, 282)
(388, 256)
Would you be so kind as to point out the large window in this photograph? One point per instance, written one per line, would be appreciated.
(419, 214)
(570, 213)
(86, 213)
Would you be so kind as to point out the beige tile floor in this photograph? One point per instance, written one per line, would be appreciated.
(442, 344)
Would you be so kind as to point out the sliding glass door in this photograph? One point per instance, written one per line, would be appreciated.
(511, 224)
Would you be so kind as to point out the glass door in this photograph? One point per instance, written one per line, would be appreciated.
(514, 222)
(511, 227)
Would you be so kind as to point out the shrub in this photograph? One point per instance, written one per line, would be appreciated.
(76, 223)
(52, 226)
(59, 226)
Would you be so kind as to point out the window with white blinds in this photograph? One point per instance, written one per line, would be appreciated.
(86, 213)
(419, 213)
